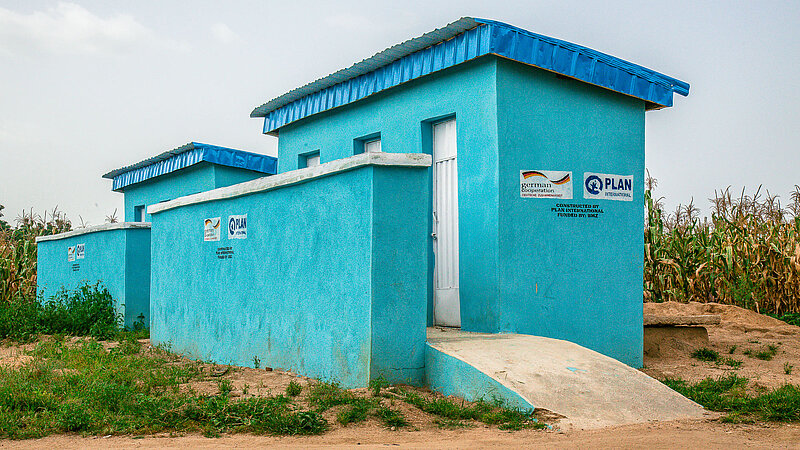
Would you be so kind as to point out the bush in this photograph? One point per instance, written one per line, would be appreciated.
(729, 394)
(705, 354)
(86, 311)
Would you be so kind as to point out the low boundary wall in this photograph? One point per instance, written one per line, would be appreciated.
(116, 255)
(323, 272)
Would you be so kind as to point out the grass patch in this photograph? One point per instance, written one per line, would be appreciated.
(728, 394)
(787, 368)
(765, 355)
(86, 311)
(706, 354)
(450, 424)
(790, 318)
(294, 389)
(505, 418)
(357, 410)
(735, 363)
(84, 388)
(392, 418)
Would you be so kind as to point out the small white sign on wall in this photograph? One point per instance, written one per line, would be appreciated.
(71, 254)
(605, 186)
(545, 184)
(211, 229)
(237, 227)
(80, 251)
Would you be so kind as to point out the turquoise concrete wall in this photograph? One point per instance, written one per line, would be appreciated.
(403, 117)
(119, 259)
(452, 376)
(191, 180)
(578, 279)
(227, 176)
(522, 269)
(399, 273)
(326, 284)
(200, 177)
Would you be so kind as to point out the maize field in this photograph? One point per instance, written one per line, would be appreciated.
(18, 251)
(747, 254)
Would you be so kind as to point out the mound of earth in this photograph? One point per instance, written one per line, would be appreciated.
(739, 337)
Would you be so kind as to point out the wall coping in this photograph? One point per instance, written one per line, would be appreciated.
(95, 229)
(297, 176)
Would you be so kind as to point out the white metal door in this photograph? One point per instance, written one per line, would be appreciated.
(446, 304)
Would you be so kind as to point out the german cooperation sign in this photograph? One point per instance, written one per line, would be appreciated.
(604, 186)
(211, 229)
(545, 184)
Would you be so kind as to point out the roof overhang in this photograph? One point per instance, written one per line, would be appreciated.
(456, 43)
(188, 155)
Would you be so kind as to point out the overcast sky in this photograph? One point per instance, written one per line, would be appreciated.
(90, 86)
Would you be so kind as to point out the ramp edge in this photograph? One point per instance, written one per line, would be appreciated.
(452, 376)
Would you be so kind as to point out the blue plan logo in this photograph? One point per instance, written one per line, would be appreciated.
(593, 184)
(605, 186)
(237, 227)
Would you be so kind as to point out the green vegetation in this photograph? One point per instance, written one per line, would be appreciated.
(729, 394)
(790, 318)
(18, 252)
(765, 354)
(735, 363)
(490, 414)
(356, 409)
(294, 389)
(392, 418)
(87, 311)
(89, 389)
(747, 254)
(376, 384)
(705, 354)
(787, 368)
(732, 349)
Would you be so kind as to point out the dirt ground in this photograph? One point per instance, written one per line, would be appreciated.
(743, 329)
(740, 330)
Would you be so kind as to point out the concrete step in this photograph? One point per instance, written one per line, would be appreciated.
(589, 389)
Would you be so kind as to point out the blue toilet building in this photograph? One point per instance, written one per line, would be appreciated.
(118, 254)
(480, 176)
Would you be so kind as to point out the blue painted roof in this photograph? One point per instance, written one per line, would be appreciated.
(458, 42)
(187, 155)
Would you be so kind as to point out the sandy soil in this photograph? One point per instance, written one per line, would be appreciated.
(681, 434)
(740, 328)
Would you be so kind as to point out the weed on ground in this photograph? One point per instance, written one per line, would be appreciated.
(87, 311)
(729, 395)
(706, 354)
(85, 388)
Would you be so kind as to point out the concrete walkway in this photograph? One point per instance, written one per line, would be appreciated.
(591, 390)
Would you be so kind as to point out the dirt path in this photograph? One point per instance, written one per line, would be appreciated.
(740, 329)
(682, 434)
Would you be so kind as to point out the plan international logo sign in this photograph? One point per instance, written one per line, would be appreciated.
(604, 186)
(545, 184)
(237, 227)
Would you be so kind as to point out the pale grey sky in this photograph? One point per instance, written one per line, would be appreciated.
(89, 86)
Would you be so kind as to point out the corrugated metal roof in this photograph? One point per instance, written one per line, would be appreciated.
(460, 41)
(187, 155)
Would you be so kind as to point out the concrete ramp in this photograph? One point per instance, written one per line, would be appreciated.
(589, 389)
